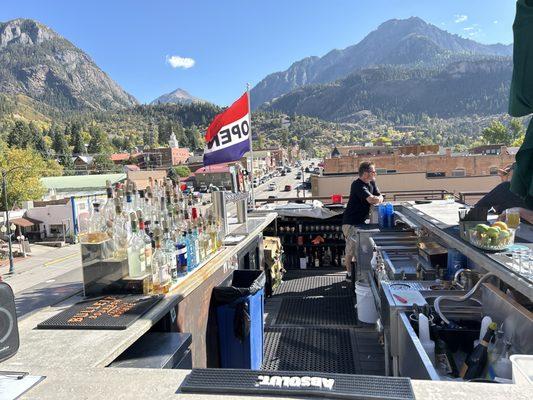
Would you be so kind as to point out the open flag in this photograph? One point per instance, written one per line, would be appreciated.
(227, 138)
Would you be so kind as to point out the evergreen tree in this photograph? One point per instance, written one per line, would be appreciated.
(99, 143)
(19, 136)
(62, 153)
(76, 139)
(38, 141)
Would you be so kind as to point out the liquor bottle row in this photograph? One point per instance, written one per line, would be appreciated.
(159, 231)
(314, 257)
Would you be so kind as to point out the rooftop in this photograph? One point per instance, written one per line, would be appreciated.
(217, 168)
(80, 182)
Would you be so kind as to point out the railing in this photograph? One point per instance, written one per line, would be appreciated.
(464, 195)
(432, 194)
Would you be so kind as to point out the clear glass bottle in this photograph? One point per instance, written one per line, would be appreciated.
(120, 232)
(136, 250)
(169, 248)
(160, 268)
(96, 229)
(109, 207)
(191, 249)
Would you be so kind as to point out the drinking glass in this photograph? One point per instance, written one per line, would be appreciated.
(516, 260)
(512, 218)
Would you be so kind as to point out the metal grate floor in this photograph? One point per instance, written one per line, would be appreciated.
(311, 325)
(303, 349)
(325, 285)
(317, 311)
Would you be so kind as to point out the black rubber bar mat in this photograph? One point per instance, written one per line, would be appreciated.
(309, 349)
(319, 311)
(235, 381)
(325, 285)
(106, 312)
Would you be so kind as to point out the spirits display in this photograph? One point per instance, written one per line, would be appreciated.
(159, 232)
(322, 242)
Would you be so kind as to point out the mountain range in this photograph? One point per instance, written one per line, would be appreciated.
(37, 62)
(408, 42)
(178, 96)
(400, 73)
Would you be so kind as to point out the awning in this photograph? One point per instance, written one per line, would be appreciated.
(25, 222)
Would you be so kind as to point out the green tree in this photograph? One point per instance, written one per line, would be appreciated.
(182, 171)
(26, 168)
(19, 136)
(516, 130)
(76, 139)
(62, 152)
(99, 143)
(496, 133)
(102, 163)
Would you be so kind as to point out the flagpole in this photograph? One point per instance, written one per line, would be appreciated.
(251, 146)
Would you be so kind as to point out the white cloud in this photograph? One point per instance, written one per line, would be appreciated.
(180, 62)
(495, 22)
(473, 31)
(460, 18)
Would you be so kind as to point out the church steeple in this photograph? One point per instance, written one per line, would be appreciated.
(173, 142)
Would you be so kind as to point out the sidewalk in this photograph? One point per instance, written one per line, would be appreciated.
(43, 264)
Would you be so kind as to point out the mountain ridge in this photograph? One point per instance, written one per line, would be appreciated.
(38, 62)
(177, 96)
(383, 45)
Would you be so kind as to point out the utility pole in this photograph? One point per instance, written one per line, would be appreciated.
(8, 228)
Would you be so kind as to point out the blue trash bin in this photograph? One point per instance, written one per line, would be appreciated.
(240, 320)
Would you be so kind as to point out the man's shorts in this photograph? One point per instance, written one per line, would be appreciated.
(350, 236)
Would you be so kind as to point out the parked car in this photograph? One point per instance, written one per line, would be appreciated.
(203, 189)
(288, 188)
(283, 173)
(272, 187)
(299, 175)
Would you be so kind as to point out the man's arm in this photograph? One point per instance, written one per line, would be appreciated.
(376, 196)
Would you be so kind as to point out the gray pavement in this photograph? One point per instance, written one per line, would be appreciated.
(42, 265)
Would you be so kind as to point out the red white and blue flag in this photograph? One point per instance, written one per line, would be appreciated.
(227, 138)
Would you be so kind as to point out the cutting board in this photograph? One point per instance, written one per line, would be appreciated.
(412, 297)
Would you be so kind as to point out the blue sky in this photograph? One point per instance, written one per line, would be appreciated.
(148, 46)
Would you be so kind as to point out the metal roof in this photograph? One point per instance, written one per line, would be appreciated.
(78, 182)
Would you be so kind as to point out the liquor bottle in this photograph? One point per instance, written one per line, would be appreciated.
(317, 259)
(128, 205)
(147, 242)
(444, 360)
(160, 268)
(170, 249)
(109, 207)
(120, 231)
(136, 254)
(475, 362)
(96, 230)
(181, 254)
(191, 251)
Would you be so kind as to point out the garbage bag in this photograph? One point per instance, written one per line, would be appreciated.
(242, 321)
(244, 283)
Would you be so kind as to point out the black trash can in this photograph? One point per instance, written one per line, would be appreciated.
(240, 320)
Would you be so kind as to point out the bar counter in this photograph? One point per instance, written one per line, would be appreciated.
(74, 361)
(72, 349)
(442, 218)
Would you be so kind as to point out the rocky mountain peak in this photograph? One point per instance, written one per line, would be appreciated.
(24, 31)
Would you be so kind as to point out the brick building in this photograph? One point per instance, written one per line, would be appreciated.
(441, 164)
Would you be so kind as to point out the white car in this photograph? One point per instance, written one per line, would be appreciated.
(272, 187)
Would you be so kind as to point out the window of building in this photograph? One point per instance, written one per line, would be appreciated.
(391, 171)
(381, 171)
(435, 174)
(493, 170)
(56, 229)
(459, 172)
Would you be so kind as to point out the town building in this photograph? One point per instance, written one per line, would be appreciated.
(220, 175)
(164, 157)
(421, 159)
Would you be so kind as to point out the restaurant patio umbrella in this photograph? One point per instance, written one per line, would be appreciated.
(521, 97)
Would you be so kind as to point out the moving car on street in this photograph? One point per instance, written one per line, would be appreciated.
(288, 188)
(272, 187)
